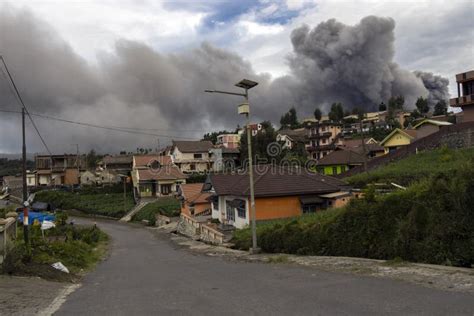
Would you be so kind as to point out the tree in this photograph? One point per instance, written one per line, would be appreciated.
(396, 103)
(91, 159)
(336, 113)
(318, 114)
(290, 119)
(260, 143)
(440, 108)
(422, 106)
(382, 107)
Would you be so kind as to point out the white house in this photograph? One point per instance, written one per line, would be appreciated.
(192, 156)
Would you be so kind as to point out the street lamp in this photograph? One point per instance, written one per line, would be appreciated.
(244, 109)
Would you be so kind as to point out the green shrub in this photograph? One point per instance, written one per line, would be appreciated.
(429, 222)
(416, 167)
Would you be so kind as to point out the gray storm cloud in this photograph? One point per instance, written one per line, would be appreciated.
(136, 86)
(354, 65)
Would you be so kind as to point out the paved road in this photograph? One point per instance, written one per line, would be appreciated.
(145, 275)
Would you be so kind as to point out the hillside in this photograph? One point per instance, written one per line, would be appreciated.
(430, 222)
(416, 167)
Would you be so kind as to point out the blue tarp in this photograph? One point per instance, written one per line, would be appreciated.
(32, 216)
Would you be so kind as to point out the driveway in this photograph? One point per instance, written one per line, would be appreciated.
(147, 275)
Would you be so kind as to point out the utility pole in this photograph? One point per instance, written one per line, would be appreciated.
(124, 195)
(244, 108)
(25, 191)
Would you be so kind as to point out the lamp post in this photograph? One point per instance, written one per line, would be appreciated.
(244, 109)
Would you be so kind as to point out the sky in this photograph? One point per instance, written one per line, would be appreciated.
(108, 47)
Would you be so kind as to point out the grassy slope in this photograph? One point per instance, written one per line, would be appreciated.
(106, 204)
(168, 206)
(429, 222)
(415, 167)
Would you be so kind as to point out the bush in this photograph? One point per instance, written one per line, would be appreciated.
(416, 167)
(429, 222)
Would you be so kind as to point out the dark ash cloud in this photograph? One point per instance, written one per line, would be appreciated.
(137, 86)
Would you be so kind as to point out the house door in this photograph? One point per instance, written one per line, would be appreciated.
(166, 189)
(153, 189)
(229, 210)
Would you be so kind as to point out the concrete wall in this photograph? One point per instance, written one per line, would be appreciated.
(426, 129)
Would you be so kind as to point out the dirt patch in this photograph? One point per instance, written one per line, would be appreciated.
(433, 276)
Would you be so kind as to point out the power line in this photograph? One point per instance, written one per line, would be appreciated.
(118, 129)
(23, 104)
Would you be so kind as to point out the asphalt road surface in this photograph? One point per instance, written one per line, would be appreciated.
(145, 275)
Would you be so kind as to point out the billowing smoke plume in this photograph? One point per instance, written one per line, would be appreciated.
(138, 87)
(354, 65)
(437, 86)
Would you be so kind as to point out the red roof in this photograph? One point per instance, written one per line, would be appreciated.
(166, 172)
(146, 160)
(192, 193)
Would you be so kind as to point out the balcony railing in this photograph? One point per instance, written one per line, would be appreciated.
(464, 100)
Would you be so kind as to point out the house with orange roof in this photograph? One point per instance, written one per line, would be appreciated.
(194, 202)
(155, 175)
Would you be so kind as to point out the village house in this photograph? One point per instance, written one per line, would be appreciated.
(228, 140)
(224, 158)
(292, 137)
(398, 138)
(58, 169)
(429, 126)
(121, 164)
(339, 161)
(30, 178)
(88, 178)
(194, 202)
(108, 177)
(154, 176)
(465, 99)
(323, 138)
(192, 156)
(371, 147)
(279, 193)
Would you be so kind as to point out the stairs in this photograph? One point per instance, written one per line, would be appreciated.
(136, 209)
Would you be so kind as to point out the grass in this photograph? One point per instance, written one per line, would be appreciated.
(79, 248)
(416, 167)
(278, 259)
(168, 206)
(243, 237)
(94, 203)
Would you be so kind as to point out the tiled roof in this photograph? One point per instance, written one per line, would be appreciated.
(341, 157)
(298, 135)
(193, 146)
(168, 172)
(145, 160)
(121, 159)
(192, 193)
(276, 181)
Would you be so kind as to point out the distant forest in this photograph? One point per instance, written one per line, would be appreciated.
(11, 167)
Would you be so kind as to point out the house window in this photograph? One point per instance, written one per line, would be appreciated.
(197, 156)
(343, 169)
(334, 170)
(192, 167)
(240, 206)
(165, 189)
(310, 208)
(215, 204)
